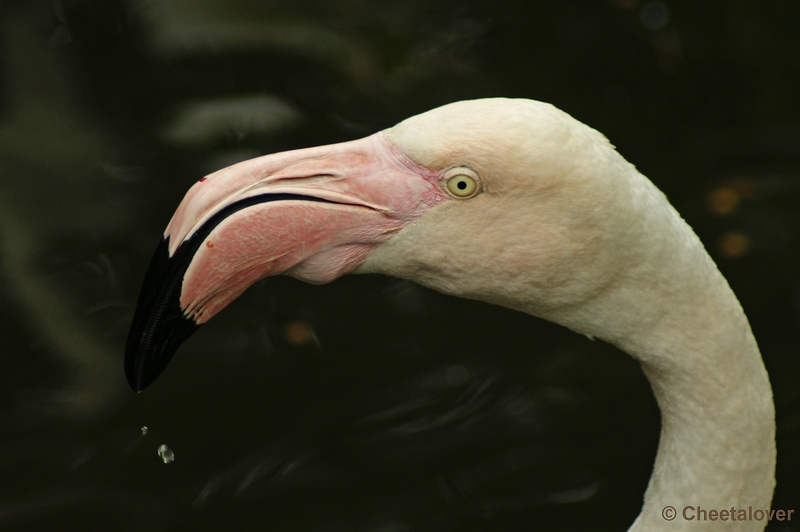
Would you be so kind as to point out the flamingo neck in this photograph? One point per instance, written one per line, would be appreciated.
(717, 445)
(677, 315)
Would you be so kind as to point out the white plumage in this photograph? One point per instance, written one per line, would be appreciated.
(569, 231)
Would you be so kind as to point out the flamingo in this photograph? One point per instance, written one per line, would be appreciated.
(512, 202)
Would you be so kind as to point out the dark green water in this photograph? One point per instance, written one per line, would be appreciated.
(370, 404)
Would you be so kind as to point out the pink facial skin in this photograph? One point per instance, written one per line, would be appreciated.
(376, 189)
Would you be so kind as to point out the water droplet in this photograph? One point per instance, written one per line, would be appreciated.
(144, 430)
(166, 454)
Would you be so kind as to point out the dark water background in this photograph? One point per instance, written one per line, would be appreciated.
(370, 404)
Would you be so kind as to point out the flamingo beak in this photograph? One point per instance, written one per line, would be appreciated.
(314, 214)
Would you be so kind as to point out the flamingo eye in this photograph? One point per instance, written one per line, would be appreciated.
(462, 186)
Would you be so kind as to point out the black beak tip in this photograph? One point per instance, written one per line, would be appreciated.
(159, 325)
(152, 342)
(140, 372)
(148, 354)
(137, 382)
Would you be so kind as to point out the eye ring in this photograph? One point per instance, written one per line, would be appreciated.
(462, 185)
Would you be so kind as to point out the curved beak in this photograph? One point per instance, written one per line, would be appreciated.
(314, 214)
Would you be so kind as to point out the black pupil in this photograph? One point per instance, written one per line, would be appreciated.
(461, 185)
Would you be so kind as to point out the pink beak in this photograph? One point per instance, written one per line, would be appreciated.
(314, 214)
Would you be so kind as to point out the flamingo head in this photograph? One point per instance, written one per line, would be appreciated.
(485, 199)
